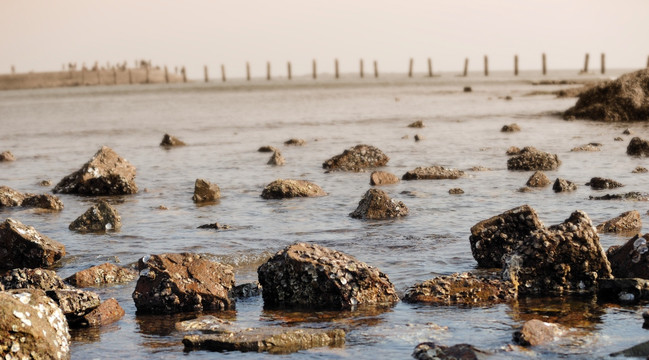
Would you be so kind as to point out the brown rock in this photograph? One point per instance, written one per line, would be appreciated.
(638, 147)
(205, 191)
(294, 142)
(432, 351)
(498, 236)
(45, 183)
(533, 159)
(172, 283)
(276, 159)
(171, 141)
(106, 313)
(587, 148)
(563, 185)
(630, 260)
(358, 158)
(537, 332)
(10, 197)
(383, 178)
(456, 191)
(626, 223)
(461, 289)
(7, 156)
(633, 195)
(598, 183)
(618, 138)
(25, 278)
(105, 174)
(377, 205)
(206, 324)
(23, 246)
(538, 179)
(282, 189)
(100, 217)
(103, 274)
(513, 150)
(467, 89)
(267, 148)
(417, 124)
(215, 226)
(43, 201)
(312, 276)
(74, 303)
(640, 170)
(511, 127)
(432, 173)
(418, 137)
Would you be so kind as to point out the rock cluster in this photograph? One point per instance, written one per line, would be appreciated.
(282, 189)
(10, 198)
(100, 217)
(205, 191)
(377, 205)
(23, 246)
(383, 178)
(530, 159)
(461, 289)
(103, 274)
(626, 223)
(432, 173)
(638, 147)
(358, 158)
(630, 260)
(171, 141)
(538, 180)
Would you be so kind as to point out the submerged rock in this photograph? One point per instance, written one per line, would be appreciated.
(630, 260)
(312, 276)
(358, 158)
(25, 278)
(171, 141)
(100, 217)
(638, 147)
(215, 226)
(383, 178)
(432, 173)
(432, 351)
(23, 246)
(625, 223)
(267, 148)
(105, 174)
(499, 235)
(7, 156)
(563, 185)
(530, 158)
(461, 289)
(172, 283)
(537, 332)
(377, 205)
(511, 128)
(417, 124)
(538, 180)
(623, 290)
(206, 324)
(205, 191)
(276, 159)
(282, 189)
(587, 148)
(103, 274)
(598, 183)
(294, 142)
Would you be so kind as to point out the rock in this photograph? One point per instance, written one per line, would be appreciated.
(563, 185)
(267, 148)
(513, 150)
(418, 137)
(624, 99)
(43, 201)
(246, 290)
(45, 183)
(627, 132)
(456, 191)
(215, 226)
(103, 274)
(587, 147)
(640, 350)
(638, 147)
(7, 156)
(383, 178)
(207, 324)
(533, 159)
(538, 180)
(467, 89)
(508, 97)
(358, 158)
(561, 259)
(640, 170)
(312, 276)
(23, 246)
(618, 138)
(536, 332)
(294, 142)
(32, 326)
(510, 128)
(377, 205)
(282, 189)
(432, 173)
(432, 351)
(525, 189)
(105, 174)
(106, 313)
(461, 289)
(417, 124)
(10, 197)
(633, 195)
(479, 168)
(74, 303)
(623, 290)
(100, 217)
(497, 236)
(205, 191)
(598, 183)
(630, 260)
(276, 159)
(272, 340)
(24, 278)
(625, 223)
(170, 141)
(172, 283)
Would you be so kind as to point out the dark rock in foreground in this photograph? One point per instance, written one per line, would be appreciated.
(23, 246)
(171, 141)
(377, 205)
(100, 217)
(598, 183)
(563, 185)
(25, 278)
(358, 158)
(103, 274)
(105, 174)
(536, 332)
(205, 191)
(530, 158)
(7, 156)
(383, 178)
(630, 260)
(432, 173)
(638, 147)
(281, 189)
(510, 128)
(432, 351)
(312, 276)
(626, 223)
(538, 180)
(461, 289)
(623, 290)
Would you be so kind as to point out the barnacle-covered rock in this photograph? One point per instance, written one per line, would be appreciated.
(358, 158)
(461, 289)
(432, 173)
(10, 197)
(23, 246)
(74, 303)
(598, 183)
(626, 223)
(100, 217)
(530, 158)
(538, 179)
(282, 189)
(25, 278)
(563, 185)
(103, 274)
(377, 205)
(630, 260)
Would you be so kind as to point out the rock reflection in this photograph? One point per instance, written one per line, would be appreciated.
(572, 312)
(365, 316)
(164, 325)
(91, 334)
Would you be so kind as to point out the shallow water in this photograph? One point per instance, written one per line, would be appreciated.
(52, 132)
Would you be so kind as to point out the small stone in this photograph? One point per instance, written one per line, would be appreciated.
(538, 179)
(106, 273)
(432, 173)
(563, 185)
(100, 217)
(456, 191)
(417, 124)
(281, 189)
(45, 183)
(598, 183)
(461, 289)
(533, 159)
(383, 178)
(627, 132)
(638, 147)
(267, 148)
(418, 137)
(511, 127)
(618, 139)
(467, 89)
(626, 223)
(204, 191)
(276, 159)
(513, 150)
(74, 303)
(640, 170)
(247, 290)
(432, 351)
(215, 226)
(376, 205)
(294, 142)
(587, 148)
(171, 141)
(536, 332)
(106, 313)
(7, 156)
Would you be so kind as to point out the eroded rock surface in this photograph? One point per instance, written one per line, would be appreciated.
(74, 303)
(23, 246)
(281, 189)
(626, 223)
(25, 278)
(205, 191)
(106, 313)
(630, 260)
(100, 217)
(377, 205)
(432, 173)
(358, 158)
(383, 178)
(461, 289)
(10, 197)
(530, 159)
(103, 274)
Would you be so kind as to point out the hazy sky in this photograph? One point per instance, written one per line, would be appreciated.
(42, 35)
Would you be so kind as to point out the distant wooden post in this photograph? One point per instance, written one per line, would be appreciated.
(315, 71)
(376, 69)
(288, 66)
(268, 70)
(130, 76)
(410, 67)
(515, 65)
(430, 67)
(114, 76)
(545, 68)
(166, 75)
(183, 71)
(362, 75)
(207, 77)
(466, 66)
(336, 69)
(147, 74)
(247, 71)
(603, 63)
(586, 63)
(223, 72)
(486, 65)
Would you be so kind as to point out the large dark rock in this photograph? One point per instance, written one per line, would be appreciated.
(23, 246)
(530, 159)
(312, 276)
(638, 147)
(358, 158)
(598, 183)
(32, 326)
(171, 141)
(105, 174)
(432, 173)
(172, 283)
(282, 189)
(626, 223)
(205, 191)
(383, 178)
(561, 259)
(461, 289)
(536, 332)
(497, 236)
(432, 351)
(630, 260)
(25, 278)
(100, 217)
(377, 205)
(10, 197)
(625, 99)
(538, 179)
(103, 274)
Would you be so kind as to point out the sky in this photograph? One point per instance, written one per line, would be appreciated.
(42, 35)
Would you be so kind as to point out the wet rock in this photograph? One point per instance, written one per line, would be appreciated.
(598, 183)
(432, 173)
(618, 138)
(456, 191)
(205, 191)
(272, 340)
(640, 170)
(510, 128)
(513, 150)
(467, 89)
(105, 174)
(100, 217)
(32, 326)
(282, 189)
(533, 159)
(7, 156)
(623, 290)
(10, 197)
(418, 137)
(43, 201)
(74, 303)
(417, 124)
(171, 141)
(215, 226)
(205, 324)
(461, 289)
(358, 158)
(627, 132)
(25, 278)
(624, 99)
(246, 290)
(479, 168)
(561, 259)
(525, 189)
(45, 183)
(267, 148)
(103, 274)
(537, 332)
(294, 142)
(625, 223)
(106, 313)
(638, 147)
(377, 205)
(587, 148)
(432, 351)
(276, 159)
(630, 260)
(383, 178)
(633, 195)
(538, 180)
(23, 246)
(312, 276)
(563, 185)
(640, 350)
(172, 283)
(497, 236)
